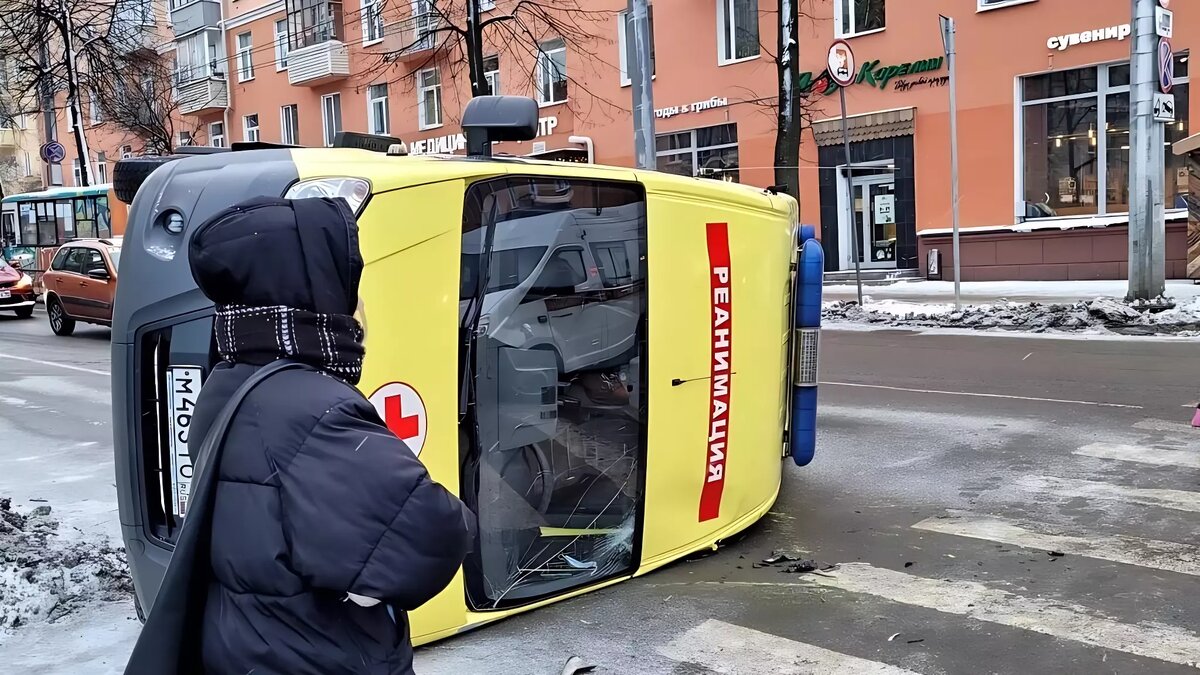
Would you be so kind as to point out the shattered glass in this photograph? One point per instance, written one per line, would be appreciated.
(553, 295)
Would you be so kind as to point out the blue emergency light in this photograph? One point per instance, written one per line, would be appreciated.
(805, 338)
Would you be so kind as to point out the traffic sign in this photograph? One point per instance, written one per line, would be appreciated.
(841, 63)
(403, 411)
(1166, 66)
(1164, 22)
(1164, 107)
(53, 152)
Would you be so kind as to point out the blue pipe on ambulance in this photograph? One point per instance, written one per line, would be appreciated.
(806, 322)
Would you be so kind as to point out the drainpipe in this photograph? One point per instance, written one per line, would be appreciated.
(585, 141)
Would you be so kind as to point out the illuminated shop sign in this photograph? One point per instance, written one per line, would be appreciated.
(874, 74)
(1063, 42)
(452, 143)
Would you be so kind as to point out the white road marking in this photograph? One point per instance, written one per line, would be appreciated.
(1027, 356)
(1142, 454)
(1163, 555)
(1151, 424)
(1047, 616)
(1180, 500)
(728, 648)
(982, 395)
(57, 365)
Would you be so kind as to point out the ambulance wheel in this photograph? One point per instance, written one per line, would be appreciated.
(25, 313)
(130, 173)
(60, 323)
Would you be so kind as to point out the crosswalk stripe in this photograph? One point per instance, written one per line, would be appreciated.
(1142, 454)
(1049, 617)
(1180, 500)
(1152, 424)
(729, 648)
(1164, 555)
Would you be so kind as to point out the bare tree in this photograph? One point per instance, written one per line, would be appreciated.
(76, 46)
(453, 35)
(136, 96)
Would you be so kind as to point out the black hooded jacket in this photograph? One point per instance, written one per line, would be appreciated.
(315, 499)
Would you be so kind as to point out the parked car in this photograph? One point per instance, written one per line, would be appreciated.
(16, 291)
(81, 284)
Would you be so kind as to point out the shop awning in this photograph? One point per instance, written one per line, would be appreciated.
(866, 127)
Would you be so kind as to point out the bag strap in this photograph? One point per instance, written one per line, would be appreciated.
(220, 426)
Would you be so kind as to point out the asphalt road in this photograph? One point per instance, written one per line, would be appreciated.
(948, 468)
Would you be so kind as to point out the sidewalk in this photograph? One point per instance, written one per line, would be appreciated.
(920, 292)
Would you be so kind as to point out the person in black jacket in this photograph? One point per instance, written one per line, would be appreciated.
(325, 526)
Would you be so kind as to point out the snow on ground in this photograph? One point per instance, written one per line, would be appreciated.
(43, 579)
(976, 291)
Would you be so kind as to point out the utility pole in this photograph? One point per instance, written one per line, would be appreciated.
(1147, 228)
(49, 122)
(947, 24)
(641, 74)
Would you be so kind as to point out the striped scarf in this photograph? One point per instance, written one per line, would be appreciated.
(260, 335)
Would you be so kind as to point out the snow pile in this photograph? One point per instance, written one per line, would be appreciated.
(44, 580)
(1101, 314)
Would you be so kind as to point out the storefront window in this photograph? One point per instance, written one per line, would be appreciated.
(1071, 167)
(711, 152)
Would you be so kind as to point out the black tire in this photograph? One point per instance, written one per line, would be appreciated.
(25, 313)
(60, 323)
(130, 173)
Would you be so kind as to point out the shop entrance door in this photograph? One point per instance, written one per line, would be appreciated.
(874, 221)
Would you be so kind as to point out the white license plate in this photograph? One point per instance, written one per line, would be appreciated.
(183, 383)
(5, 294)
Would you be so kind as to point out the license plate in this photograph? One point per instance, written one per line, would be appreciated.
(183, 383)
(5, 295)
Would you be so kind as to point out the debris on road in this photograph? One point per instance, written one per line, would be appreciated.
(577, 665)
(42, 579)
(1158, 317)
(1056, 554)
(894, 636)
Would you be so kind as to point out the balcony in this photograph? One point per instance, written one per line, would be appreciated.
(411, 38)
(8, 138)
(188, 16)
(320, 63)
(201, 89)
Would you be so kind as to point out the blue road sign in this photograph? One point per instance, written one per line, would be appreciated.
(1166, 66)
(53, 152)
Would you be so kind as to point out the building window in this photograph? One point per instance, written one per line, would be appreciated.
(313, 22)
(126, 151)
(711, 152)
(623, 44)
(245, 57)
(101, 168)
(377, 109)
(429, 98)
(855, 17)
(28, 163)
(216, 134)
(552, 72)
(372, 21)
(281, 45)
(94, 108)
(1075, 142)
(331, 117)
(289, 125)
(76, 174)
(487, 5)
(491, 71)
(185, 138)
(737, 25)
(250, 128)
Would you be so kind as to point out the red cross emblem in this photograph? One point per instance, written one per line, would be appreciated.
(403, 411)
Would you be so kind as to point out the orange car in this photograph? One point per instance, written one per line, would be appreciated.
(81, 284)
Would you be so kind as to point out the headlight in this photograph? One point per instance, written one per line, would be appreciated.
(353, 190)
(25, 283)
